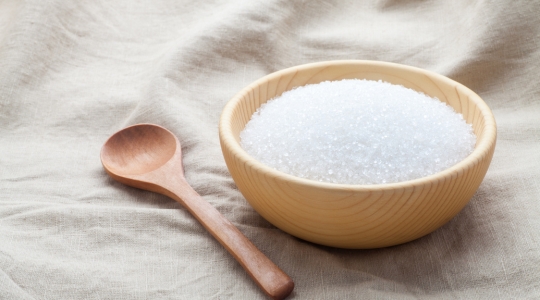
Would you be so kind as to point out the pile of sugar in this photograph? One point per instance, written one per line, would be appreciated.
(357, 132)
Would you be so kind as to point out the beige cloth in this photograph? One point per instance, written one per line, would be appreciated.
(74, 72)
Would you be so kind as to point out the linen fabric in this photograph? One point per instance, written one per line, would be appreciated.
(74, 72)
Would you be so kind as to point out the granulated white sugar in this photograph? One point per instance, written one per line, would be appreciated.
(357, 132)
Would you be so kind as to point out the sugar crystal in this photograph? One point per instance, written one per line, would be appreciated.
(357, 132)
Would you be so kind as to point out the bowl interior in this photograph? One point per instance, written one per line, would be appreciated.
(462, 99)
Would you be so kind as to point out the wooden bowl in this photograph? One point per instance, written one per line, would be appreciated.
(357, 216)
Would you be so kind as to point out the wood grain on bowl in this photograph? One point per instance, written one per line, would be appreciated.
(357, 216)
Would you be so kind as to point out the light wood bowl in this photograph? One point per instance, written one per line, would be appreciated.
(357, 216)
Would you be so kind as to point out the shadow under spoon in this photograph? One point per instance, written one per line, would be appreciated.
(149, 157)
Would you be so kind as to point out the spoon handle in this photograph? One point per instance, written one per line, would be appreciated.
(270, 278)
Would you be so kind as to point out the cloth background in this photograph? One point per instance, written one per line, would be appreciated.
(74, 72)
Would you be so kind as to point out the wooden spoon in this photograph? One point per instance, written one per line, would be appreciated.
(149, 157)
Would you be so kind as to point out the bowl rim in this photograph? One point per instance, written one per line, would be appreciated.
(482, 148)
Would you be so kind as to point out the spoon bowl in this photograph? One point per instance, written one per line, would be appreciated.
(153, 148)
(149, 157)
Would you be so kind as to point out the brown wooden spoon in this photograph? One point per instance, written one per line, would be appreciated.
(149, 157)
